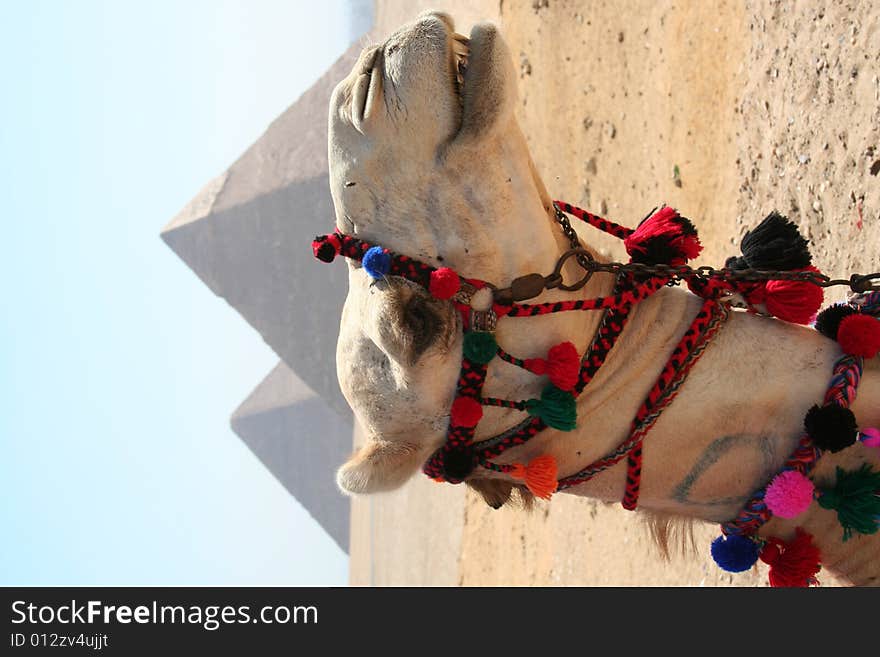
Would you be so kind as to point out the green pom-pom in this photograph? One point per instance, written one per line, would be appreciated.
(856, 498)
(480, 347)
(556, 407)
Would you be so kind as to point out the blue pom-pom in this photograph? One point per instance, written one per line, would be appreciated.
(735, 553)
(377, 262)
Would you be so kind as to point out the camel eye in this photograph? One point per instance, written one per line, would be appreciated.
(391, 50)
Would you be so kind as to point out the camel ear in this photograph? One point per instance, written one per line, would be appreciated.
(380, 465)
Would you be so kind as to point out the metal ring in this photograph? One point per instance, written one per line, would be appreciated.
(581, 253)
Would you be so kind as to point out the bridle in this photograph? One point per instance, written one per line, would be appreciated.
(774, 276)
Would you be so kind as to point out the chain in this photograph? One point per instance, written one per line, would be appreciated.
(531, 285)
(585, 261)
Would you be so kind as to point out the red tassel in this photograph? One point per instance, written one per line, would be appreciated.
(540, 475)
(859, 335)
(562, 365)
(792, 564)
(664, 237)
(791, 301)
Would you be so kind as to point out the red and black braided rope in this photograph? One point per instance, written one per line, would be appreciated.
(707, 323)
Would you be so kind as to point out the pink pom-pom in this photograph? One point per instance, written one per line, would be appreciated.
(789, 494)
(870, 437)
(444, 283)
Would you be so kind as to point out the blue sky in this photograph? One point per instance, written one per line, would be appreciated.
(118, 367)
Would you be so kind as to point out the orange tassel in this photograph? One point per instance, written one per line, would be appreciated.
(540, 475)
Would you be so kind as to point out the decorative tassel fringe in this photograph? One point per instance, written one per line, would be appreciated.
(664, 238)
(856, 498)
(557, 408)
(774, 244)
(562, 365)
(792, 564)
(540, 475)
(791, 301)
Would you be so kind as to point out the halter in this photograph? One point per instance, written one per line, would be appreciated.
(659, 249)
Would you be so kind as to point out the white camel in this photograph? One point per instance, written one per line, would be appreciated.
(427, 159)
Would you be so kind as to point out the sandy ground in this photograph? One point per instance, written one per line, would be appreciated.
(756, 106)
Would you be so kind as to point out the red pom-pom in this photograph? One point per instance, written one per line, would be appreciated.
(791, 301)
(327, 247)
(444, 283)
(563, 365)
(465, 412)
(539, 475)
(664, 237)
(792, 564)
(859, 335)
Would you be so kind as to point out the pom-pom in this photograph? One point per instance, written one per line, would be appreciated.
(859, 335)
(444, 283)
(792, 564)
(870, 437)
(775, 243)
(828, 321)
(539, 475)
(377, 262)
(563, 365)
(734, 553)
(480, 347)
(458, 463)
(465, 412)
(663, 238)
(557, 408)
(326, 247)
(793, 301)
(789, 494)
(832, 427)
(856, 499)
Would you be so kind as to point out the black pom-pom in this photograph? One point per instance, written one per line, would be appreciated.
(325, 252)
(458, 463)
(832, 428)
(828, 321)
(776, 244)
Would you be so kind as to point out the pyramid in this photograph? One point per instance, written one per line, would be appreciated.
(301, 440)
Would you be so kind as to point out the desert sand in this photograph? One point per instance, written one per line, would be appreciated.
(724, 110)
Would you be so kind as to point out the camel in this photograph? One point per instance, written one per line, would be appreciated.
(427, 159)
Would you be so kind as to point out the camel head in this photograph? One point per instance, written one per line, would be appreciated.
(425, 157)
